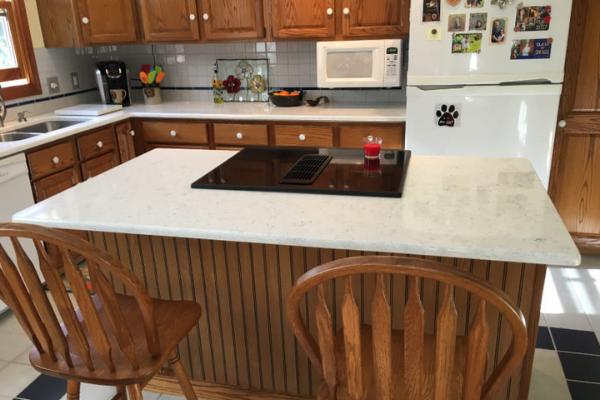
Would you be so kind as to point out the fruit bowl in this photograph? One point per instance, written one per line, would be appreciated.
(282, 98)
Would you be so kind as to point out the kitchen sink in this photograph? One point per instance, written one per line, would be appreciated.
(14, 136)
(49, 126)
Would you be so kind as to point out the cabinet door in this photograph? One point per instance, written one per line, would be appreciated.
(375, 18)
(98, 165)
(303, 18)
(169, 20)
(107, 21)
(54, 184)
(233, 19)
(125, 138)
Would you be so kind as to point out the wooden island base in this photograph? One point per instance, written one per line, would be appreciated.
(243, 346)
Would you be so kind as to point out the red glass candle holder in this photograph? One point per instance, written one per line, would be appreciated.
(372, 146)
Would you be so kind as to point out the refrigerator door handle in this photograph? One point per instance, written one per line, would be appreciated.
(440, 87)
(541, 81)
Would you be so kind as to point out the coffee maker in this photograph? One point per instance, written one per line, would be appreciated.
(113, 82)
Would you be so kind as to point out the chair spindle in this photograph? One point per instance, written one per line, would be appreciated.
(476, 354)
(326, 341)
(382, 340)
(445, 344)
(414, 337)
(352, 345)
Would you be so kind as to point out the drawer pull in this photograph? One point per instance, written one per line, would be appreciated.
(173, 133)
(192, 17)
(239, 135)
(562, 123)
(302, 137)
(346, 11)
(85, 20)
(205, 16)
(132, 133)
(330, 11)
(99, 144)
(55, 160)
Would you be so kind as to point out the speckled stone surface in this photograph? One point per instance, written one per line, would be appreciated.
(482, 208)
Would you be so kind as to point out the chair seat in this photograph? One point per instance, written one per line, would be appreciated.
(174, 319)
(398, 388)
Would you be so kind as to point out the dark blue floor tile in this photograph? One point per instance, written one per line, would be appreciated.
(44, 388)
(584, 391)
(580, 367)
(575, 341)
(544, 341)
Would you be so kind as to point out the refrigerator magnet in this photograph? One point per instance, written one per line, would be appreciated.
(456, 22)
(453, 2)
(466, 43)
(431, 10)
(474, 3)
(531, 49)
(434, 34)
(478, 22)
(498, 33)
(533, 19)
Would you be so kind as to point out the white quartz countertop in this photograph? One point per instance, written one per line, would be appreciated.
(482, 208)
(334, 112)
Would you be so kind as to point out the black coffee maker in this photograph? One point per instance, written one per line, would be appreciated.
(113, 82)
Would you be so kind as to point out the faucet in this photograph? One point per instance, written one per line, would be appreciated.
(21, 115)
(2, 109)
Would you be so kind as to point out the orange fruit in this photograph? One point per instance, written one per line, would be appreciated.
(276, 94)
(294, 93)
(284, 93)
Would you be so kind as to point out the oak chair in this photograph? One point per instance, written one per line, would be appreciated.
(363, 362)
(109, 339)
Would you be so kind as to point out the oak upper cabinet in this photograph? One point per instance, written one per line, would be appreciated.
(293, 19)
(375, 18)
(169, 20)
(233, 19)
(107, 21)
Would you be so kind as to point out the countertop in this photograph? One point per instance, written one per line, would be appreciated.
(482, 208)
(332, 112)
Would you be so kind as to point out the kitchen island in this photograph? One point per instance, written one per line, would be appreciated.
(238, 254)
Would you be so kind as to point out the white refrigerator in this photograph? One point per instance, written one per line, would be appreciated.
(486, 81)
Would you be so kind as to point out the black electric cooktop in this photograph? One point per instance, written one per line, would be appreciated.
(321, 170)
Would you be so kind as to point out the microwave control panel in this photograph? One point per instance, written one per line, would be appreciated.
(392, 63)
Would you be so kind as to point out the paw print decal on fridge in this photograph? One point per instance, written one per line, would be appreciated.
(447, 115)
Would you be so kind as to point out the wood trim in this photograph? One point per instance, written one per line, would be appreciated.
(25, 56)
(587, 244)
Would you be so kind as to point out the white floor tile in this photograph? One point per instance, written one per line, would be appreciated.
(543, 321)
(9, 323)
(548, 379)
(150, 395)
(96, 392)
(16, 377)
(169, 397)
(560, 303)
(3, 364)
(12, 345)
(23, 358)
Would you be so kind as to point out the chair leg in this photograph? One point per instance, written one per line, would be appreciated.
(181, 376)
(135, 392)
(121, 393)
(73, 390)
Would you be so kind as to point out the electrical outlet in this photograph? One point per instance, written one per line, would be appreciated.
(53, 86)
(75, 80)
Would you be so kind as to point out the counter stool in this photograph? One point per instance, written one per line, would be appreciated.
(109, 339)
(374, 361)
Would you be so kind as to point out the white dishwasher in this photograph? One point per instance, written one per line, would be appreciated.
(15, 195)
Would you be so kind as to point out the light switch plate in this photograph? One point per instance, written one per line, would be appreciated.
(53, 86)
(75, 80)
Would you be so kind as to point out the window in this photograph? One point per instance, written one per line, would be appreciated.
(18, 70)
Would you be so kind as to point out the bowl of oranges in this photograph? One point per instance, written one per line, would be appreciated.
(284, 98)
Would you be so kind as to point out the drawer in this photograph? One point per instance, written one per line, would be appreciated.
(241, 134)
(175, 132)
(152, 146)
(51, 160)
(98, 165)
(302, 135)
(393, 136)
(54, 184)
(96, 143)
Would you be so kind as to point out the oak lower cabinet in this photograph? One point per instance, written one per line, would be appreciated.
(126, 141)
(174, 133)
(169, 20)
(54, 184)
(303, 135)
(375, 18)
(233, 19)
(241, 135)
(392, 136)
(300, 19)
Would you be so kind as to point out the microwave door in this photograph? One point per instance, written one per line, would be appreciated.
(350, 64)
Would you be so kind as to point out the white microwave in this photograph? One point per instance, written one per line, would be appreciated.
(359, 64)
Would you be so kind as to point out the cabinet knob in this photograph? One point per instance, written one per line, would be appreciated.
(205, 16)
(132, 133)
(302, 137)
(173, 133)
(85, 20)
(192, 17)
(239, 135)
(55, 160)
(99, 144)
(330, 11)
(346, 11)
(562, 123)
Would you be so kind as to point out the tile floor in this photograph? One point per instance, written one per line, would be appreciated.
(566, 364)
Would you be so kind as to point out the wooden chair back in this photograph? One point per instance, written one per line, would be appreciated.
(22, 290)
(321, 350)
